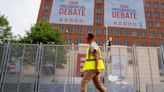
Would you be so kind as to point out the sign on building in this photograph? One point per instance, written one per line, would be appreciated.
(119, 66)
(80, 12)
(125, 13)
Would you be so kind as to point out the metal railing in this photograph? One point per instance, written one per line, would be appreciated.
(57, 68)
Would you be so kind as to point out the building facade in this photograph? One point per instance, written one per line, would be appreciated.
(152, 36)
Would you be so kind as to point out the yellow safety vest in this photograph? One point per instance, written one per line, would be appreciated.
(90, 61)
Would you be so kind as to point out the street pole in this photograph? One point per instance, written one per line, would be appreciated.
(106, 54)
(67, 37)
(106, 31)
(107, 48)
(110, 41)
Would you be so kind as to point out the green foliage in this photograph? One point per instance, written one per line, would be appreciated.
(43, 32)
(54, 55)
(7, 35)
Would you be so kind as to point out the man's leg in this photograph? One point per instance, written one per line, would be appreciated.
(87, 76)
(98, 84)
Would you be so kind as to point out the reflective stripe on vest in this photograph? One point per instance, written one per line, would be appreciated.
(90, 60)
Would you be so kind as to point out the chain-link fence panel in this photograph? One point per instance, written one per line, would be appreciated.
(12, 75)
(156, 70)
(3, 53)
(55, 64)
(19, 76)
(29, 68)
(120, 66)
(54, 68)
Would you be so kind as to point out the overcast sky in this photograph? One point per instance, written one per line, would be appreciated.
(20, 13)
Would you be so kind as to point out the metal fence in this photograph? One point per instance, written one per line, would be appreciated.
(57, 68)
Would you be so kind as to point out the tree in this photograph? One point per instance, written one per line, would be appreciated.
(45, 33)
(7, 35)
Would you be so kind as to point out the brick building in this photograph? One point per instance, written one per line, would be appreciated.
(152, 36)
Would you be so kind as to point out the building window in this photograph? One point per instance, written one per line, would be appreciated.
(116, 42)
(44, 17)
(150, 24)
(89, 29)
(99, 1)
(98, 41)
(160, 34)
(147, 4)
(161, 44)
(157, 14)
(62, 28)
(70, 29)
(79, 40)
(148, 13)
(163, 14)
(46, 7)
(80, 29)
(143, 33)
(98, 10)
(134, 33)
(134, 42)
(162, 5)
(125, 32)
(125, 42)
(116, 32)
(157, 24)
(69, 40)
(151, 34)
(99, 20)
(152, 44)
(156, 4)
(144, 44)
(98, 31)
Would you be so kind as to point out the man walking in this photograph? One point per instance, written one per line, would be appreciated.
(93, 66)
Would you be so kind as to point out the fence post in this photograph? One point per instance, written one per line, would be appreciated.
(72, 67)
(120, 67)
(151, 71)
(20, 74)
(136, 69)
(39, 66)
(106, 65)
(36, 66)
(162, 58)
(6, 60)
(56, 55)
(3, 64)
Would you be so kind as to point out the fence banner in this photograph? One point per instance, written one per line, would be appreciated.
(79, 12)
(80, 63)
(125, 13)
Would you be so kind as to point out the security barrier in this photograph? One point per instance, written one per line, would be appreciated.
(58, 68)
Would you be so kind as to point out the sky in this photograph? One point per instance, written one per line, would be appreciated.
(21, 14)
